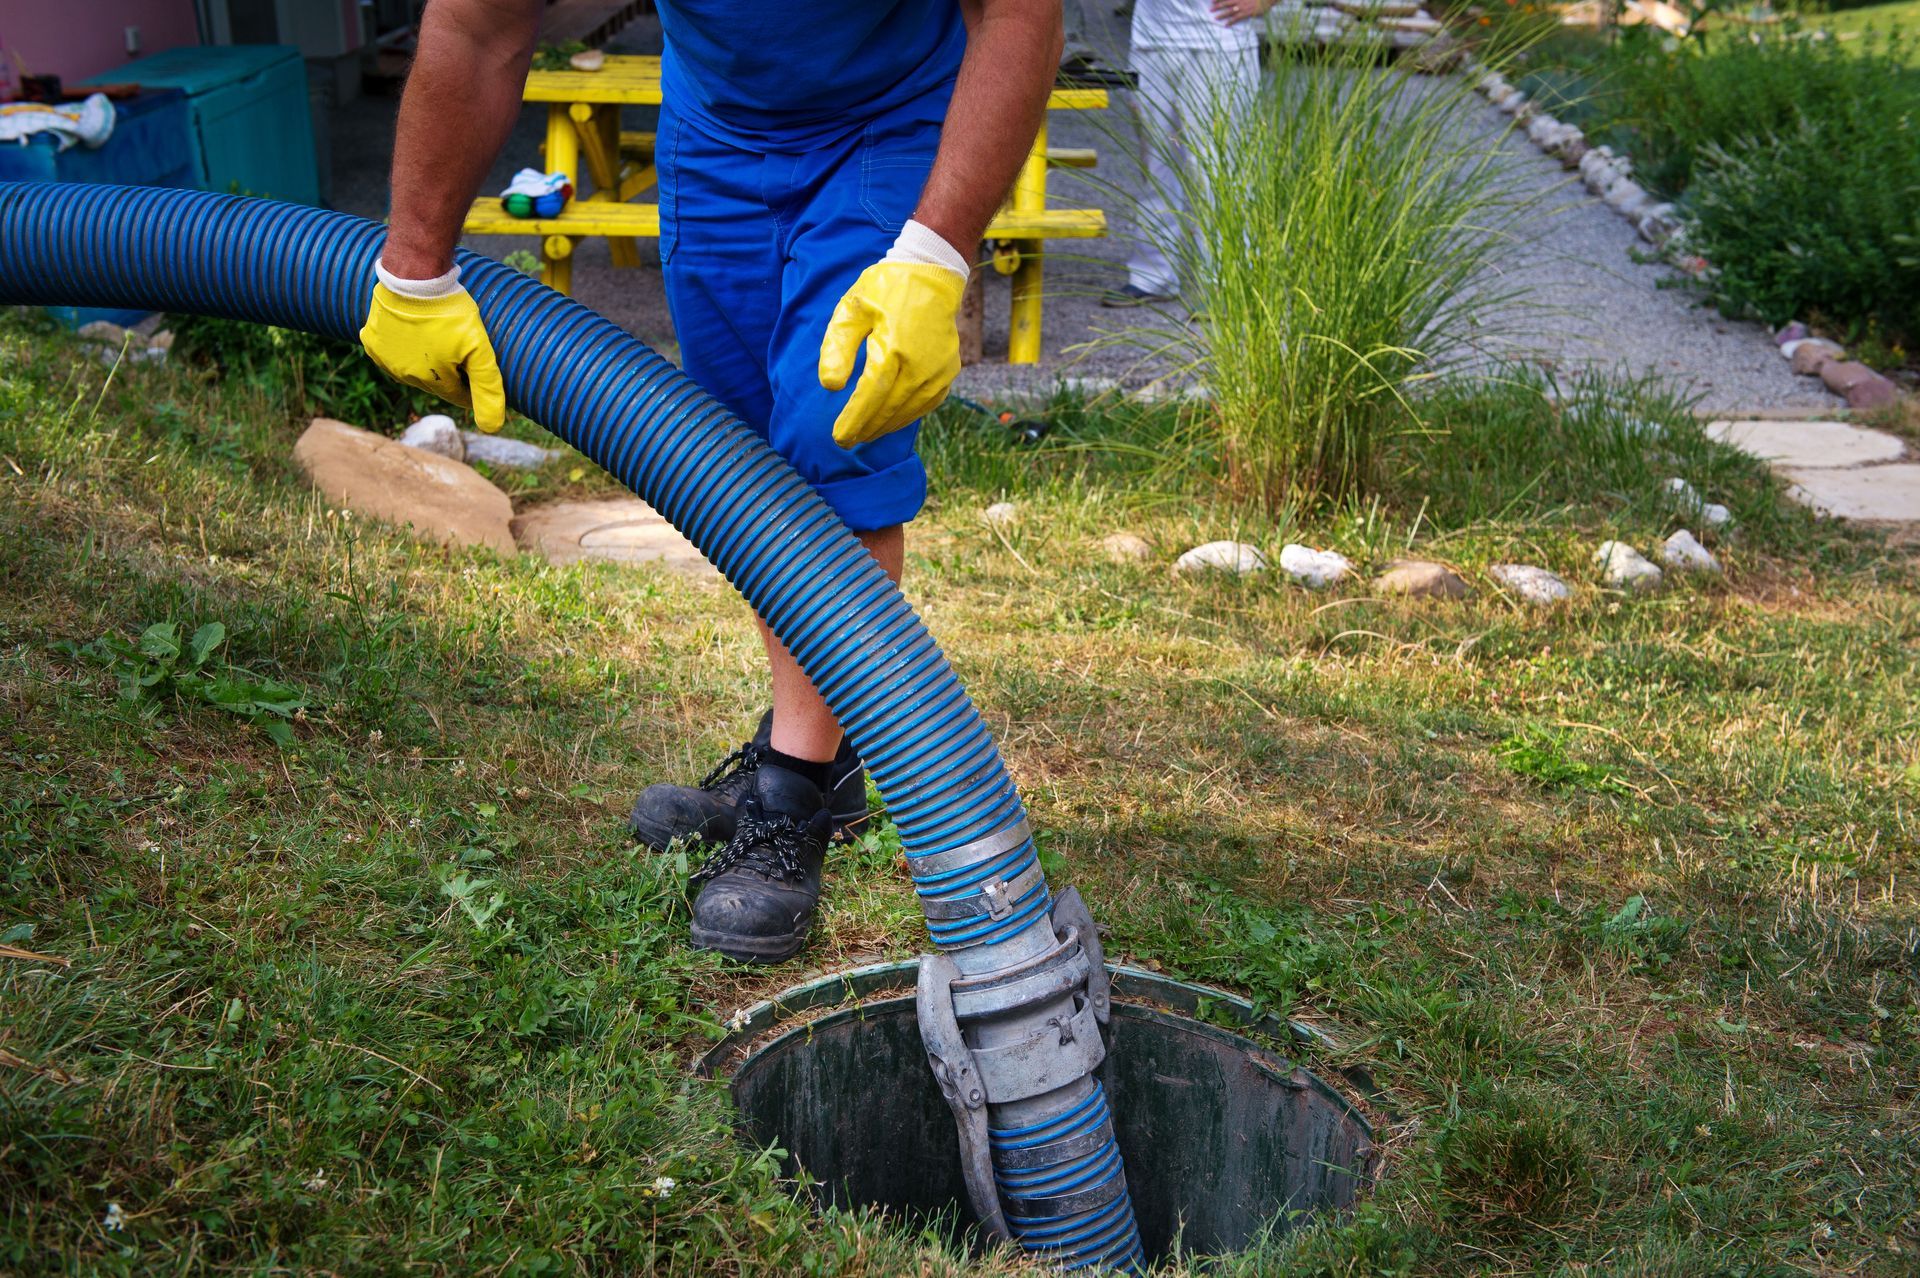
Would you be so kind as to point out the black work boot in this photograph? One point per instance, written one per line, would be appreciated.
(706, 812)
(757, 894)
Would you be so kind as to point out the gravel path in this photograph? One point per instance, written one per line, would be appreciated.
(1591, 304)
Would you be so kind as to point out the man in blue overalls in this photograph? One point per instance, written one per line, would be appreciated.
(814, 208)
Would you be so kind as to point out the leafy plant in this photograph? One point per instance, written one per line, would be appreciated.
(311, 373)
(1334, 248)
(1817, 218)
(1543, 757)
(160, 666)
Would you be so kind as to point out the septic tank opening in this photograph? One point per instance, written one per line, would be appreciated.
(1222, 1136)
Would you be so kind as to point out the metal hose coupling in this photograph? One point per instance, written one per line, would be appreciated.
(1013, 1033)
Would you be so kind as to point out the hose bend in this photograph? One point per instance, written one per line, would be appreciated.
(618, 402)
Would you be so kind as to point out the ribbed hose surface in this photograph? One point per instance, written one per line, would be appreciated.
(615, 400)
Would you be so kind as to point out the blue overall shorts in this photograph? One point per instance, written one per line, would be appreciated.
(794, 140)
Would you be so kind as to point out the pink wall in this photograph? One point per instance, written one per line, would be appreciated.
(74, 41)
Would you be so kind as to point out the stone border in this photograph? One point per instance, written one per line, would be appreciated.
(1609, 177)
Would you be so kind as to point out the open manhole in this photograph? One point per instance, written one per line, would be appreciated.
(1223, 1137)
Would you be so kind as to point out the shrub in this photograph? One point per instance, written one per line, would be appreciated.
(1335, 250)
(1822, 218)
(1665, 106)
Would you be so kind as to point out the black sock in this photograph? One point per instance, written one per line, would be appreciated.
(814, 772)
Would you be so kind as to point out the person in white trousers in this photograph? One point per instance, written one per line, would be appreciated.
(1193, 57)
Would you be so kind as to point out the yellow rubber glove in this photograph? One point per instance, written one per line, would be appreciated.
(908, 315)
(438, 344)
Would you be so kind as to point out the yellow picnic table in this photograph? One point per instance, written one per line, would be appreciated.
(583, 121)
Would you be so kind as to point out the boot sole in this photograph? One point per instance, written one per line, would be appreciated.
(750, 949)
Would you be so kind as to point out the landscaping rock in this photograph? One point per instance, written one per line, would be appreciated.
(438, 497)
(1791, 333)
(105, 332)
(1658, 223)
(1683, 551)
(1809, 355)
(1809, 444)
(1574, 150)
(436, 433)
(1315, 568)
(1862, 387)
(1002, 514)
(1714, 515)
(498, 450)
(1222, 556)
(1623, 566)
(1627, 198)
(1512, 102)
(616, 529)
(1126, 548)
(1534, 585)
(1420, 579)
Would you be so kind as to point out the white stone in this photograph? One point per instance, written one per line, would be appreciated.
(1788, 348)
(1658, 223)
(1623, 566)
(1683, 552)
(1541, 128)
(1512, 102)
(1002, 514)
(1809, 444)
(1714, 515)
(1641, 428)
(1684, 491)
(1222, 556)
(1627, 197)
(1316, 568)
(498, 450)
(1535, 585)
(436, 433)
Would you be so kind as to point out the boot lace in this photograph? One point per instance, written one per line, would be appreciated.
(744, 761)
(768, 845)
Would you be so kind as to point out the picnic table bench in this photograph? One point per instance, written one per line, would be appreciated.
(583, 123)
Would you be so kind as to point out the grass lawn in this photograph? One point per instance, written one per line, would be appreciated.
(1903, 16)
(1617, 902)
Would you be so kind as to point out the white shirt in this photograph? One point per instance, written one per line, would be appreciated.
(1189, 24)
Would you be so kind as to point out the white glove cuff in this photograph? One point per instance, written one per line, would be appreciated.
(426, 290)
(918, 243)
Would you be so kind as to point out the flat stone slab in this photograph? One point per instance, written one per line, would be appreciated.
(1871, 492)
(1806, 445)
(437, 497)
(621, 530)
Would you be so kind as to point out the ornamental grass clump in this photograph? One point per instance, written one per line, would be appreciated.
(1335, 251)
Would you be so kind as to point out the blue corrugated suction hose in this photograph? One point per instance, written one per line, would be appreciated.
(988, 906)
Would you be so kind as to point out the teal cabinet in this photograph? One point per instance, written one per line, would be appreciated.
(252, 131)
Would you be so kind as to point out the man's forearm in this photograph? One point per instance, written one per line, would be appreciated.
(1013, 50)
(462, 98)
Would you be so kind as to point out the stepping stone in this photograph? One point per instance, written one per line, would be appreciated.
(621, 530)
(1872, 492)
(1805, 445)
(438, 497)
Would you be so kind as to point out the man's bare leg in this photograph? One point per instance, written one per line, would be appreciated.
(802, 725)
